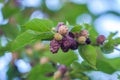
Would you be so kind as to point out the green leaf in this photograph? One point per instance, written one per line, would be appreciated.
(28, 37)
(45, 36)
(77, 71)
(76, 28)
(80, 76)
(10, 31)
(112, 34)
(5, 49)
(40, 25)
(61, 57)
(12, 69)
(116, 41)
(118, 76)
(108, 47)
(69, 14)
(39, 72)
(77, 67)
(1, 0)
(23, 39)
(88, 53)
(108, 65)
(9, 10)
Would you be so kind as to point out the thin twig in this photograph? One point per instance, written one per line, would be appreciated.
(117, 49)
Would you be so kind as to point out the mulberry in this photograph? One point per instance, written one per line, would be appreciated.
(60, 24)
(74, 45)
(66, 43)
(63, 30)
(81, 39)
(88, 41)
(71, 35)
(84, 33)
(54, 46)
(58, 37)
(62, 68)
(100, 39)
(65, 49)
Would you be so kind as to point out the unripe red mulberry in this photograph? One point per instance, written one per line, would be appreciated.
(63, 30)
(84, 33)
(54, 46)
(81, 39)
(100, 39)
(62, 68)
(58, 36)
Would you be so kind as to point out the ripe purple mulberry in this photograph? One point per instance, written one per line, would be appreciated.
(71, 35)
(74, 45)
(64, 49)
(54, 46)
(66, 43)
(88, 41)
(100, 39)
(62, 68)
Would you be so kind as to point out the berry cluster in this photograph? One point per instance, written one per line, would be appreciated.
(83, 37)
(63, 39)
(67, 40)
(61, 72)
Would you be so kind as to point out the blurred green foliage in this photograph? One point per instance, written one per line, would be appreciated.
(21, 34)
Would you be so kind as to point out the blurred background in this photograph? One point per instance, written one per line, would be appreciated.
(103, 15)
